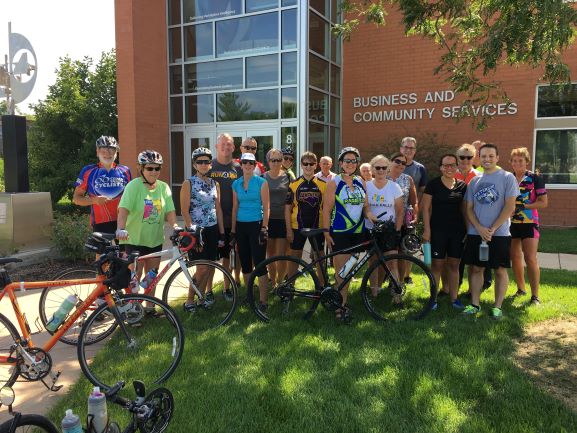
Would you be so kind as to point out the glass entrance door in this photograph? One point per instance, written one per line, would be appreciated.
(194, 140)
(266, 139)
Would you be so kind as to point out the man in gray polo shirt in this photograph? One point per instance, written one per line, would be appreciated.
(414, 169)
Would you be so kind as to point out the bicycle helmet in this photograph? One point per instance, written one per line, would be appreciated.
(349, 149)
(201, 151)
(104, 141)
(149, 157)
(288, 151)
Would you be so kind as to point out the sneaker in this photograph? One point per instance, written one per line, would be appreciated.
(520, 292)
(262, 307)
(471, 311)
(434, 306)
(228, 295)
(496, 314)
(209, 298)
(189, 308)
(408, 280)
(458, 305)
(535, 300)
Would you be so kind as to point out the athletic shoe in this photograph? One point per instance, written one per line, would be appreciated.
(434, 306)
(209, 298)
(471, 311)
(458, 305)
(228, 295)
(496, 314)
(189, 308)
(535, 300)
(520, 292)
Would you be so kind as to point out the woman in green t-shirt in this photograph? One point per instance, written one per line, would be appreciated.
(145, 205)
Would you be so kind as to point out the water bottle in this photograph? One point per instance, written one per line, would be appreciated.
(484, 251)
(409, 216)
(349, 265)
(71, 423)
(97, 411)
(133, 284)
(427, 253)
(150, 275)
(60, 314)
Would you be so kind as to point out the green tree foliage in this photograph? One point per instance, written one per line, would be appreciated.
(79, 107)
(479, 36)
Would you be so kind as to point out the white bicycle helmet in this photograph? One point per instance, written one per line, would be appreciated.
(149, 157)
(349, 149)
(201, 151)
(105, 141)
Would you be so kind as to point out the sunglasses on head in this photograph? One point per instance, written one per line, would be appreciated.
(380, 167)
(250, 147)
(349, 161)
(203, 161)
(399, 162)
(248, 161)
(275, 160)
(308, 164)
(464, 157)
(152, 168)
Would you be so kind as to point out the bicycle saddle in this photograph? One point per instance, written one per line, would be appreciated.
(312, 232)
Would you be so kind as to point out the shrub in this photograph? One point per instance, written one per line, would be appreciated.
(69, 234)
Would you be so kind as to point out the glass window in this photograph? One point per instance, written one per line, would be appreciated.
(317, 138)
(335, 111)
(175, 80)
(318, 34)
(321, 6)
(289, 103)
(200, 109)
(222, 75)
(198, 10)
(289, 29)
(336, 49)
(198, 41)
(335, 11)
(175, 51)
(334, 142)
(289, 138)
(247, 35)
(177, 155)
(335, 80)
(288, 2)
(318, 72)
(176, 110)
(254, 105)
(557, 101)
(260, 5)
(289, 68)
(318, 106)
(262, 71)
(173, 12)
(556, 156)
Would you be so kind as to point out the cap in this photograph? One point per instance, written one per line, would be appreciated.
(247, 157)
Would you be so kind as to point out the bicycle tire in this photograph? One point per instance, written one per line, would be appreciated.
(417, 298)
(152, 353)
(52, 297)
(219, 313)
(161, 405)
(35, 423)
(282, 303)
(8, 337)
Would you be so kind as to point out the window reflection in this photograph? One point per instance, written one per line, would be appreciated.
(262, 71)
(289, 103)
(288, 2)
(247, 35)
(289, 68)
(175, 51)
(318, 106)
(335, 110)
(260, 5)
(318, 34)
(318, 72)
(317, 138)
(556, 155)
(176, 110)
(321, 6)
(200, 109)
(198, 10)
(198, 41)
(253, 105)
(175, 80)
(335, 80)
(226, 74)
(557, 101)
(173, 12)
(289, 29)
(177, 152)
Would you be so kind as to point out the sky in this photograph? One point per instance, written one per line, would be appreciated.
(57, 28)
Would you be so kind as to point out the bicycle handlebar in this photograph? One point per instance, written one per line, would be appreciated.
(186, 239)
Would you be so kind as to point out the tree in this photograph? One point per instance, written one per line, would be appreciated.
(479, 36)
(80, 107)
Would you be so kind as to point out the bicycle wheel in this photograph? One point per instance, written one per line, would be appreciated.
(146, 346)
(160, 404)
(386, 297)
(298, 295)
(29, 424)
(8, 338)
(218, 306)
(52, 297)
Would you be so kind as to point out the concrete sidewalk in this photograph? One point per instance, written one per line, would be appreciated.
(558, 261)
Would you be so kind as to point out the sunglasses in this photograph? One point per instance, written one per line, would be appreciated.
(464, 157)
(247, 161)
(350, 161)
(379, 167)
(288, 158)
(275, 160)
(203, 161)
(399, 162)
(152, 168)
(449, 165)
(250, 147)
(308, 164)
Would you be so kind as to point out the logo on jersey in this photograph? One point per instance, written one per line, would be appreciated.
(224, 175)
(152, 210)
(108, 186)
(311, 198)
(487, 194)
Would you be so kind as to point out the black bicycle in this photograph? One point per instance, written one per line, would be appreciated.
(385, 294)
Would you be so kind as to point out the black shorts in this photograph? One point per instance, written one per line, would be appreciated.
(525, 231)
(299, 241)
(447, 244)
(209, 251)
(142, 249)
(276, 229)
(224, 252)
(347, 240)
(499, 252)
(108, 227)
(250, 251)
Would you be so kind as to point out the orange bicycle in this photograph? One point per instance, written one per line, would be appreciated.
(143, 334)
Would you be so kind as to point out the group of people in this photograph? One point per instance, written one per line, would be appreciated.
(259, 213)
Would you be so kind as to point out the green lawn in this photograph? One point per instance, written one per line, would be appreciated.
(441, 374)
(558, 240)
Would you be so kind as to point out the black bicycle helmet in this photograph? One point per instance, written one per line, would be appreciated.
(201, 151)
(149, 157)
(288, 151)
(349, 149)
(105, 141)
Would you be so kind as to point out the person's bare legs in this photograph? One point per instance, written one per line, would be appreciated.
(276, 270)
(517, 264)
(339, 261)
(452, 266)
(437, 266)
(148, 264)
(202, 276)
(475, 283)
(530, 246)
(501, 284)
